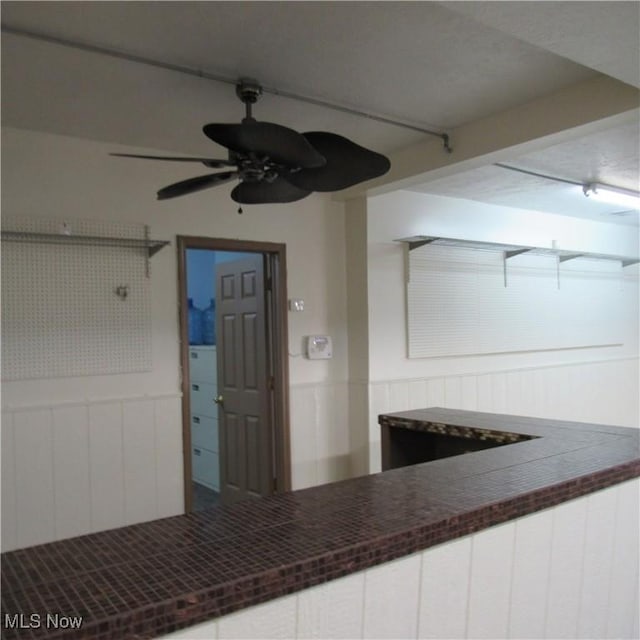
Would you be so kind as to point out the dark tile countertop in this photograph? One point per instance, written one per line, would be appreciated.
(146, 580)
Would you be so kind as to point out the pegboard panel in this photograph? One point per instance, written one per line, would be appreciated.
(458, 303)
(61, 316)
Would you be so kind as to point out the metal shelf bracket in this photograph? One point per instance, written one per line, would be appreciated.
(511, 250)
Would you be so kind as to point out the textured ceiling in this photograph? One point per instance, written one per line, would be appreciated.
(416, 61)
(607, 157)
(601, 35)
(433, 64)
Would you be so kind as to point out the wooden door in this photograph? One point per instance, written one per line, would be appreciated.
(246, 454)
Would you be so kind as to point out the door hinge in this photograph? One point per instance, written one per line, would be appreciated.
(269, 284)
(271, 384)
(275, 485)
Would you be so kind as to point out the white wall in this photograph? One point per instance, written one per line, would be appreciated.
(590, 385)
(566, 572)
(46, 494)
(332, 402)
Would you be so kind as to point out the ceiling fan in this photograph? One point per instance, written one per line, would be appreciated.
(275, 163)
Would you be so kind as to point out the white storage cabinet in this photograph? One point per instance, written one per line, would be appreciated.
(205, 461)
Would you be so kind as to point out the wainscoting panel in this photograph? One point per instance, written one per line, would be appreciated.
(622, 615)
(138, 439)
(531, 558)
(169, 466)
(106, 461)
(490, 582)
(320, 438)
(567, 552)
(444, 593)
(71, 474)
(78, 468)
(7, 449)
(391, 599)
(333, 609)
(596, 568)
(34, 477)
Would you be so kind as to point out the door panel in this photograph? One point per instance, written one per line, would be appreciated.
(245, 431)
(230, 447)
(227, 345)
(250, 351)
(254, 460)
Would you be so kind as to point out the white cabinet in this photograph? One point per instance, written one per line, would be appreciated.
(205, 464)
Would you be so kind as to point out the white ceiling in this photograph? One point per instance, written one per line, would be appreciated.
(436, 65)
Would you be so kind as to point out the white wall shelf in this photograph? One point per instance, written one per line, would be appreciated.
(512, 250)
(150, 246)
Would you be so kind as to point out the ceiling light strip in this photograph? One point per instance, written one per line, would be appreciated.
(595, 190)
(199, 73)
(612, 195)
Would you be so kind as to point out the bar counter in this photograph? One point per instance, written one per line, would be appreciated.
(147, 580)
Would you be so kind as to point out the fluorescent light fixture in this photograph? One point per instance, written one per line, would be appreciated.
(612, 195)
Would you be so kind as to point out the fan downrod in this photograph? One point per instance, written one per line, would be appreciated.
(248, 90)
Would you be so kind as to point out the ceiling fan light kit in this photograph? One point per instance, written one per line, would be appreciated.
(612, 195)
(274, 163)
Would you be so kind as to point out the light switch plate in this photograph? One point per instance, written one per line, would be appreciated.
(296, 304)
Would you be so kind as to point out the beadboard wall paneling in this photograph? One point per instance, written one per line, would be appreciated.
(530, 576)
(84, 467)
(501, 582)
(106, 461)
(72, 489)
(138, 443)
(34, 477)
(320, 438)
(9, 534)
(79, 468)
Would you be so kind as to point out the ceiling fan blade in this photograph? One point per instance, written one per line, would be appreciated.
(347, 164)
(209, 162)
(196, 184)
(263, 192)
(281, 144)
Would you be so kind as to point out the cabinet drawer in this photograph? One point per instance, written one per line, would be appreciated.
(202, 364)
(201, 397)
(205, 468)
(204, 432)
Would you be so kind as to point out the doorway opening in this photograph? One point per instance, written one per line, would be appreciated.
(234, 355)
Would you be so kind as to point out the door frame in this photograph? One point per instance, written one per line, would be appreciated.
(277, 337)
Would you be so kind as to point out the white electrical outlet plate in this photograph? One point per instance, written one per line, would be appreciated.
(319, 347)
